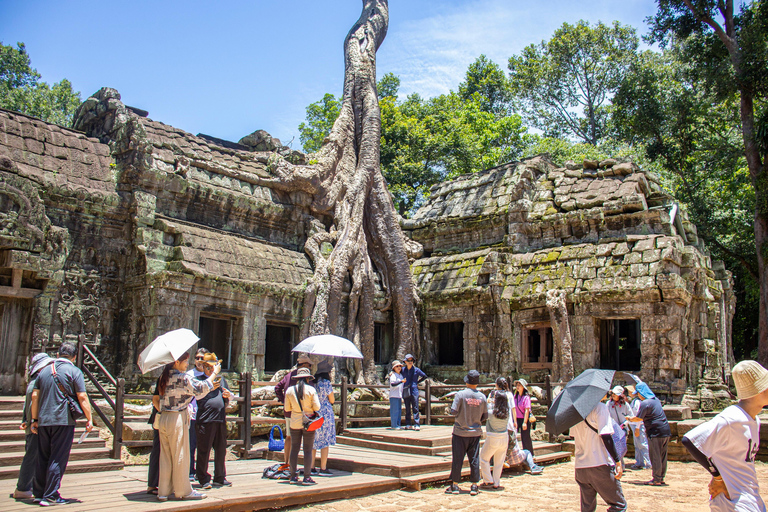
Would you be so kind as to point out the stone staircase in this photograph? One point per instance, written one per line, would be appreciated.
(91, 455)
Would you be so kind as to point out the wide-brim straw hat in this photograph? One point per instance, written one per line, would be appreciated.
(210, 358)
(304, 373)
(523, 382)
(750, 379)
(396, 363)
(303, 359)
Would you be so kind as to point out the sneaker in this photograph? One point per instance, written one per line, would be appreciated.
(487, 485)
(194, 495)
(537, 470)
(324, 472)
(162, 498)
(52, 502)
(223, 483)
(473, 490)
(206, 486)
(416, 427)
(191, 478)
(294, 480)
(453, 489)
(308, 481)
(407, 427)
(313, 471)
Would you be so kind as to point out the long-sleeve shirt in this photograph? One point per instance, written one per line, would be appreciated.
(412, 378)
(181, 389)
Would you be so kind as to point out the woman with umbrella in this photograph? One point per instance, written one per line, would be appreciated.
(177, 389)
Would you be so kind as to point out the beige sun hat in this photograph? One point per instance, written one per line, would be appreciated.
(750, 379)
(396, 363)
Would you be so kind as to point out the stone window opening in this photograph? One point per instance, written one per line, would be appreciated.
(216, 334)
(279, 341)
(537, 347)
(620, 344)
(450, 343)
(383, 343)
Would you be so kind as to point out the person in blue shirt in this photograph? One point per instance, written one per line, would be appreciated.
(413, 375)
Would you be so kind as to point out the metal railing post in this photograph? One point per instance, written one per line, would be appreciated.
(343, 403)
(245, 391)
(117, 439)
(428, 411)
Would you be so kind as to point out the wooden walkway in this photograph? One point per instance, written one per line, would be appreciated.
(126, 491)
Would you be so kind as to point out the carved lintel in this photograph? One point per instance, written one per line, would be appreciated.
(19, 293)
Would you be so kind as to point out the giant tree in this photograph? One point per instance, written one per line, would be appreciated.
(360, 235)
(565, 85)
(732, 55)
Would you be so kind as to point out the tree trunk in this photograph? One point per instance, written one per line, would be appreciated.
(562, 343)
(362, 233)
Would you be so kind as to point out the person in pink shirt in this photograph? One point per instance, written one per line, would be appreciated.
(522, 411)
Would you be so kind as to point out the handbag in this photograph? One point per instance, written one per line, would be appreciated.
(310, 423)
(75, 411)
(531, 421)
(276, 445)
(406, 392)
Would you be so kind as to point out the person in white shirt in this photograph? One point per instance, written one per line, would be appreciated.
(596, 458)
(396, 380)
(727, 444)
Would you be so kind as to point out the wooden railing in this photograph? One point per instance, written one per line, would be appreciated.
(346, 419)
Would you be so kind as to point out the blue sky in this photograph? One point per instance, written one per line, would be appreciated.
(228, 68)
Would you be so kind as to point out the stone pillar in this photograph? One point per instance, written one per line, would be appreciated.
(562, 355)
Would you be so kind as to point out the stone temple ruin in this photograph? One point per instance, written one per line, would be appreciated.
(123, 228)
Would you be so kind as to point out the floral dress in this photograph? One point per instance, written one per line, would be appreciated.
(325, 435)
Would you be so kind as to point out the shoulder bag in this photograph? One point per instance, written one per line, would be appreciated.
(310, 423)
(619, 437)
(75, 411)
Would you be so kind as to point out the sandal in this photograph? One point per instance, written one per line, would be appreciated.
(152, 490)
(654, 483)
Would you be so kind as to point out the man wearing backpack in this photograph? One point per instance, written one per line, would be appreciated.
(597, 461)
(58, 384)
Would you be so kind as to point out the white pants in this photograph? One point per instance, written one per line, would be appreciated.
(174, 454)
(494, 447)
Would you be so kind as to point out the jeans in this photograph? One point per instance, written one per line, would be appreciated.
(395, 411)
(412, 410)
(642, 457)
(27, 469)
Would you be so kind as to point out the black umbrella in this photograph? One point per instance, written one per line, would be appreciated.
(577, 399)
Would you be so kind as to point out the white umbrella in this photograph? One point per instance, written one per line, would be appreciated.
(166, 348)
(328, 345)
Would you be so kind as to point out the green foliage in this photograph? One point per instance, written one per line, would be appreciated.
(21, 89)
(485, 80)
(320, 118)
(564, 85)
(426, 141)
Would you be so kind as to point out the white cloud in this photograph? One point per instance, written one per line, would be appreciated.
(431, 55)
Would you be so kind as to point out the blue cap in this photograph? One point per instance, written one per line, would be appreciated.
(644, 390)
(409, 356)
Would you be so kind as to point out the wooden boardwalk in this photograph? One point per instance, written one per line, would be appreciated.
(126, 491)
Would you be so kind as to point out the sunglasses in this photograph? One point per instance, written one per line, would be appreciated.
(200, 358)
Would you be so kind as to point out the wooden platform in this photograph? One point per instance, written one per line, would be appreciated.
(126, 491)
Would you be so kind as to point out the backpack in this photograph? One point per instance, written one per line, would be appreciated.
(276, 472)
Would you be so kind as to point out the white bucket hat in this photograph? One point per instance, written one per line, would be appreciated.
(750, 379)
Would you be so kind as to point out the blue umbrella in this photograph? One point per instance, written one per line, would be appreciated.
(577, 399)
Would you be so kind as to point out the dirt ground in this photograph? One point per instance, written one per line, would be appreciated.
(554, 491)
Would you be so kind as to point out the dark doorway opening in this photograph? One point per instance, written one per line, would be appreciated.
(620, 345)
(278, 345)
(537, 349)
(216, 335)
(383, 345)
(450, 343)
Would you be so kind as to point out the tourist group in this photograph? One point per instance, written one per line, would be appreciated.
(189, 417)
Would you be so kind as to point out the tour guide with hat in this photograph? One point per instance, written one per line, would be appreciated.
(470, 409)
(289, 380)
(301, 400)
(727, 444)
(522, 412)
(412, 375)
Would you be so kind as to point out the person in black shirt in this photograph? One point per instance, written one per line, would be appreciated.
(211, 426)
(651, 413)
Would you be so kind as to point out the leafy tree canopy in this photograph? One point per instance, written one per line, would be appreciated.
(487, 80)
(21, 89)
(564, 85)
